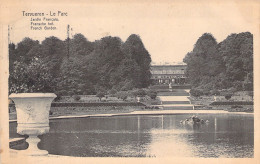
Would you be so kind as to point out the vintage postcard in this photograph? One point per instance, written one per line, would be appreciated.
(129, 81)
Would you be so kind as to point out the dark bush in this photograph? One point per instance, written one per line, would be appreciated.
(228, 96)
(196, 92)
(151, 107)
(62, 92)
(58, 98)
(236, 106)
(251, 94)
(70, 93)
(248, 86)
(76, 97)
(152, 94)
(122, 95)
(206, 92)
(215, 92)
(238, 85)
(100, 94)
(141, 92)
(128, 85)
(112, 92)
(232, 103)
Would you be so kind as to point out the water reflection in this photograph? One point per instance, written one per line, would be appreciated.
(227, 135)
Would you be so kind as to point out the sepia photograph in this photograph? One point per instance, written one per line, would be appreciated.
(129, 80)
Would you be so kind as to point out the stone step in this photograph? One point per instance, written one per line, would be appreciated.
(155, 87)
(175, 102)
(178, 107)
(173, 98)
(173, 94)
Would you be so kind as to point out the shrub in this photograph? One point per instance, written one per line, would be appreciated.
(100, 94)
(58, 98)
(251, 94)
(228, 96)
(196, 92)
(231, 90)
(206, 92)
(248, 86)
(76, 97)
(140, 92)
(236, 106)
(152, 94)
(62, 92)
(112, 92)
(122, 95)
(232, 103)
(127, 86)
(215, 92)
(238, 86)
(70, 93)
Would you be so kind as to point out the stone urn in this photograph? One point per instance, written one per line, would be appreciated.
(138, 99)
(33, 118)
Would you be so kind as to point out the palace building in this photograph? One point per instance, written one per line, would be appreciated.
(167, 73)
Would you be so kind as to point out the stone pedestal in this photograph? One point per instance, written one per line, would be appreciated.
(33, 118)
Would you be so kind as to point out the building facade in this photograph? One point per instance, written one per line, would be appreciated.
(169, 74)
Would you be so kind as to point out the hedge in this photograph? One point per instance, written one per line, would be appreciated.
(82, 104)
(232, 103)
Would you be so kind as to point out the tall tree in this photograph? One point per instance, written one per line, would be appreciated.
(89, 68)
(237, 53)
(134, 49)
(23, 49)
(227, 65)
(204, 61)
(79, 45)
(108, 56)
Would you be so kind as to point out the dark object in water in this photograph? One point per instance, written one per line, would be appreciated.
(194, 120)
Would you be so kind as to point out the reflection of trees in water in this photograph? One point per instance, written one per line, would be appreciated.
(141, 136)
(195, 126)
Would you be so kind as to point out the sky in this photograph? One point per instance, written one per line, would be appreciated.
(168, 30)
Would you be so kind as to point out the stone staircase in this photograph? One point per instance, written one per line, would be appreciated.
(174, 99)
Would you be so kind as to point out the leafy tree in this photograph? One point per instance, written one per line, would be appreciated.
(107, 63)
(135, 50)
(23, 48)
(203, 62)
(237, 54)
(228, 64)
(33, 77)
(79, 45)
(108, 55)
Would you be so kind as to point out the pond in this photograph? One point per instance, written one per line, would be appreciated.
(226, 135)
